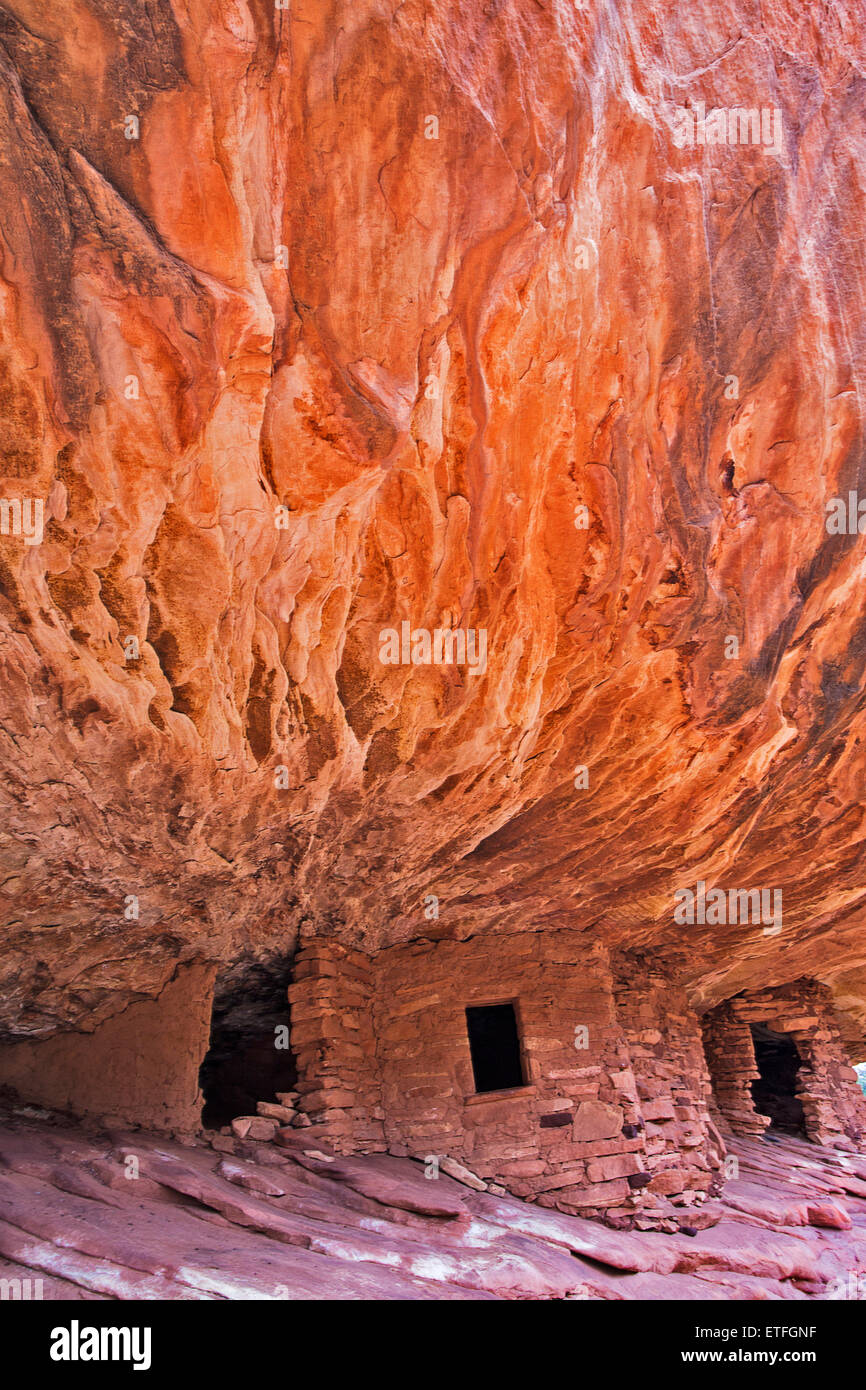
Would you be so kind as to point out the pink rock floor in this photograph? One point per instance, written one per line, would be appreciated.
(297, 1223)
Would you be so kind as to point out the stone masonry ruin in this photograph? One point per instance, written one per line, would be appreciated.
(832, 1104)
(433, 625)
(539, 1064)
(625, 1092)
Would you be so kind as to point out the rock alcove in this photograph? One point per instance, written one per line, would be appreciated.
(288, 367)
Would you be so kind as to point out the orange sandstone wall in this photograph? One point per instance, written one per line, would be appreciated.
(140, 1067)
(293, 367)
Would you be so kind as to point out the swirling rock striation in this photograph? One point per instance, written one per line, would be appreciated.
(320, 321)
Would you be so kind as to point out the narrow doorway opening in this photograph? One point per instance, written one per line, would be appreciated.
(774, 1092)
(494, 1045)
(249, 1057)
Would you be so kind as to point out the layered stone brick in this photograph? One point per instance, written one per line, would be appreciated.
(615, 1115)
(833, 1105)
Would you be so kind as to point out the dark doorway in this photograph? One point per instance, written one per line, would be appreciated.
(249, 1058)
(775, 1091)
(494, 1045)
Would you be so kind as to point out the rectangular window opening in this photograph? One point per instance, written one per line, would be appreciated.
(494, 1045)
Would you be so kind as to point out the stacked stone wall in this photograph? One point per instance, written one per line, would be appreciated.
(684, 1149)
(334, 1043)
(730, 1057)
(833, 1104)
(571, 1136)
(614, 1115)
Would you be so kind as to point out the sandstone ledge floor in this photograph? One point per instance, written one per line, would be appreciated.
(296, 1223)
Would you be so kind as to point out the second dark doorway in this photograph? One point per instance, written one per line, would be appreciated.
(775, 1091)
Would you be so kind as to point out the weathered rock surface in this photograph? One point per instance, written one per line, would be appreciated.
(96, 1216)
(433, 279)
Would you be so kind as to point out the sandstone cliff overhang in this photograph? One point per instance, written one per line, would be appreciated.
(446, 322)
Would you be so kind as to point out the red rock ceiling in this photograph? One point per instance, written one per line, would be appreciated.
(476, 335)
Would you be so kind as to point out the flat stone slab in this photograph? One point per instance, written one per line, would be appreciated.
(319, 1225)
